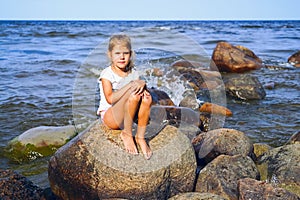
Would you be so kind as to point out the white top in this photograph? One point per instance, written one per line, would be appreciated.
(117, 83)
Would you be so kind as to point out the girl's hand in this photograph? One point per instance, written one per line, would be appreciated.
(138, 86)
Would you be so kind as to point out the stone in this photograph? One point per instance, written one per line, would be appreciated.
(295, 59)
(196, 196)
(187, 63)
(216, 109)
(209, 145)
(160, 97)
(94, 165)
(260, 150)
(39, 142)
(228, 58)
(244, 87)
(221, 175)
(16, 186)
(261, 190)
(294, 139)
(189, 100)
(283, 167)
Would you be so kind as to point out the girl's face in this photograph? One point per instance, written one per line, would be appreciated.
(120, 56)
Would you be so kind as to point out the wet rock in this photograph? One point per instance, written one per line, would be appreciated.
(283, 167)
(260, 190)
(244, 87)
(249, 53)
(189, 100)
(196, 196)
(187, 64)
(216, 109)
(38, 142)
(259, 150)
(160, 97)
(295, 139)
(211, 144)
(94, 165)
(16, 186)
(295, 59)
(228, 58)
(198, 77)
(222, 174)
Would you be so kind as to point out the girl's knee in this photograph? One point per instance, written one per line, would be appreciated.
(147, 100)
(134, 98)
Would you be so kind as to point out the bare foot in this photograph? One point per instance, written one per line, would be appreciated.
(145, 148)
(128, 143)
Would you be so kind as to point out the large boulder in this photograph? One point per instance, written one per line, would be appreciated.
(223, 141)
(39, 141)
(283, 167)
(222, 174)
(229, 58)
(244, 87)
(94, 165)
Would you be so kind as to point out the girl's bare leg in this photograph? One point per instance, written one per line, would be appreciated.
(120, 116)
(143, 119)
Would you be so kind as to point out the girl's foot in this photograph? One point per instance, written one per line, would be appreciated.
(128, 143)
(144, 147)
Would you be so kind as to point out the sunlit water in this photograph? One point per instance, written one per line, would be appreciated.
(49, 73)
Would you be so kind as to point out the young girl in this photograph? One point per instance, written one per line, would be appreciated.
(124, 97)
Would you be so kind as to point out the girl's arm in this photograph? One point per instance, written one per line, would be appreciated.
(136, 86)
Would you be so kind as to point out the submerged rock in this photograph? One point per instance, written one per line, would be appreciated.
(244, 87)
(39, 141)
(94, 166)
(295, 59)
(228, 58)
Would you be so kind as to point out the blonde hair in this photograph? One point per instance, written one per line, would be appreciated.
(122, 39)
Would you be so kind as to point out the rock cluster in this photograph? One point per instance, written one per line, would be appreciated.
(192, 159)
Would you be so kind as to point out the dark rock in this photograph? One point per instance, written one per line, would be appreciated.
(244, 87)
(94, 166)
(16, 186)
(187, 64)
(199, 78)
(160, 97)
(283, 167)
(222, 174)
(295, 59)
(260, 190)
(295, 139)
(228, 58)
(222, 141)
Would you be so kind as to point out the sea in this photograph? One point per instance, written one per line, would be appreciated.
(49, 72)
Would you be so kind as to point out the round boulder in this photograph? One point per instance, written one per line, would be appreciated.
(211, 144)
(94, 165)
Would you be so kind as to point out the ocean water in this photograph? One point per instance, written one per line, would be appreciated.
(49, 73)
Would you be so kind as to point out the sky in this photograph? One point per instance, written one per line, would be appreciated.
(149, 10)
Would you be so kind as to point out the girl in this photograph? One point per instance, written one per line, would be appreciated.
(123, 96)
